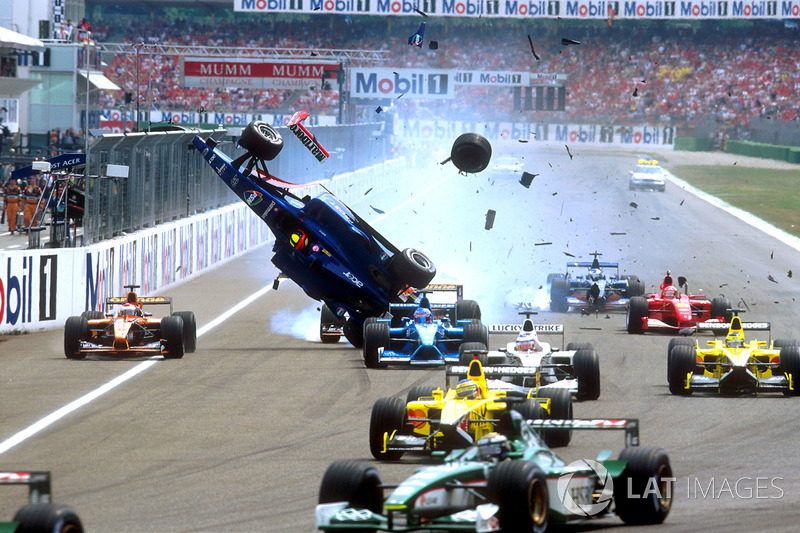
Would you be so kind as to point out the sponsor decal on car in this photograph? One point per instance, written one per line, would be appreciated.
(252, 198)
(305, 136)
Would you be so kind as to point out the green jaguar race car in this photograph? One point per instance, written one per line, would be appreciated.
(509, 481)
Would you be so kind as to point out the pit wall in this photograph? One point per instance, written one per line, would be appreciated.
(40, 289)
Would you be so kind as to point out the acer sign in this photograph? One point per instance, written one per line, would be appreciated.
(255, 73)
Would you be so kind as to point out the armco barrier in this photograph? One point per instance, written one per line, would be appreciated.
(39, 289)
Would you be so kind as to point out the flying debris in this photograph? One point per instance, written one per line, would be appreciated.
(568, 254)
(368, 191)
(421, 12)
(633, 205)
(490, 214)
(773, 280)
(433, 45)
(568, 152)
(532, 50)
(542, 243)
(567, 42)
(527, 179)
(377, 210)
(416, 39)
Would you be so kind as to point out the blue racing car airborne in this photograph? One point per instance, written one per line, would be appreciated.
(425, 333)
(323, 246)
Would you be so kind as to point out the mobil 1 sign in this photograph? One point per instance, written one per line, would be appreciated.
(405, 82)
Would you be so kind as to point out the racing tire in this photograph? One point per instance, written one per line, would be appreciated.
(376, 336)
(519, 488)
(420, 392)
(578, 345)
(643, 492)
(637, 311)
(719, 308)
(411, 267)
(467, 310)
(635, 287)
(552, 276)
(354, 333)
(172, 334)
(471, 153)
(93, 315)
(261, 140)
(47, 518)
(683, 362)
(75, 330)
(560, 409)
(529, 410)
(466, 353)
(388, 416)
(356, 482)
(559, 291)
(790, 364)
(672, 344)
(586, 365)
(326, 316)
(189, 330)
(475, 331)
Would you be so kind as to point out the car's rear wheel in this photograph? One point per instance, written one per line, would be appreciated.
(643, 492)
(328, 317)
(354, 332)
(93, 315)
(376, 336)
(388, 417)
(681, 364)
(475, 331)
(411, 267)
(47, 518)
(635, 287)
(262, 140)
(354, 482)
(172, 333)
(75, 330)
(720, 308)
(467, 310)
(560, 409)
(189, 330)
(467, 352)
(471, 152)
(559, 291)
(579, 345)
(586, 365)
(529, 410)
(637, 311)
(519, 488)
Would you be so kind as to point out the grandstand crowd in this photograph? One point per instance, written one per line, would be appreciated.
(626, 73)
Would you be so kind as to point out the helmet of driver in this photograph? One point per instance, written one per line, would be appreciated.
(595, 274)
(299, 239)
(423, 316)
(670, 292)
(466, 388)
(493, 446)
(735, 340)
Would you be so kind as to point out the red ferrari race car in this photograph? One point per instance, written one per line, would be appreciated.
(669, 310)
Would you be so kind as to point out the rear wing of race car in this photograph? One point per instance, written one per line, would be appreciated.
(442, 297)
(721, 328)
(540, 329)
(491, 372)
(589, 264)
(143, 300)
(38, 484)
(629, 425)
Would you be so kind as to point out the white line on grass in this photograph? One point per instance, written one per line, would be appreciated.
(57, 415)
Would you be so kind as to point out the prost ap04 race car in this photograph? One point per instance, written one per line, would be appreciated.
(322, 245)
(130, 330)
(508, 481)
(734, 365)
(596, 290)
(669, 310)
(432, 420)
(40, 514)
(576, 368)
(425, 333)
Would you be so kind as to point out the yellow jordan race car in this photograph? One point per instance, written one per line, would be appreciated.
(435, 421)
(734, 366)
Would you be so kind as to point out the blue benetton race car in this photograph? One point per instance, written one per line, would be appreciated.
(425, 332)
(322, 245)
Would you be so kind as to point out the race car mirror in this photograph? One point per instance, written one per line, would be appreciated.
(681, 281)
(471, 153)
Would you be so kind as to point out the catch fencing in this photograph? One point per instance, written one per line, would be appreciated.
(168, 180)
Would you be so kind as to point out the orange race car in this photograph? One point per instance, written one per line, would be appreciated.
(129, 330)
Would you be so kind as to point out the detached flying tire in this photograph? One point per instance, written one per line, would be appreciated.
(413, 268)
(354, 482)
(388, 416)
(172, 333)
(471, 153)
(75, 330)
(189, 330)
(48, 518)
(261, 140)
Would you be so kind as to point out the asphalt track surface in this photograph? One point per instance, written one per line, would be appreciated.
(237, 436)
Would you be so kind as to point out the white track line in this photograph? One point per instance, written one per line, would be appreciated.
(57, 415)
